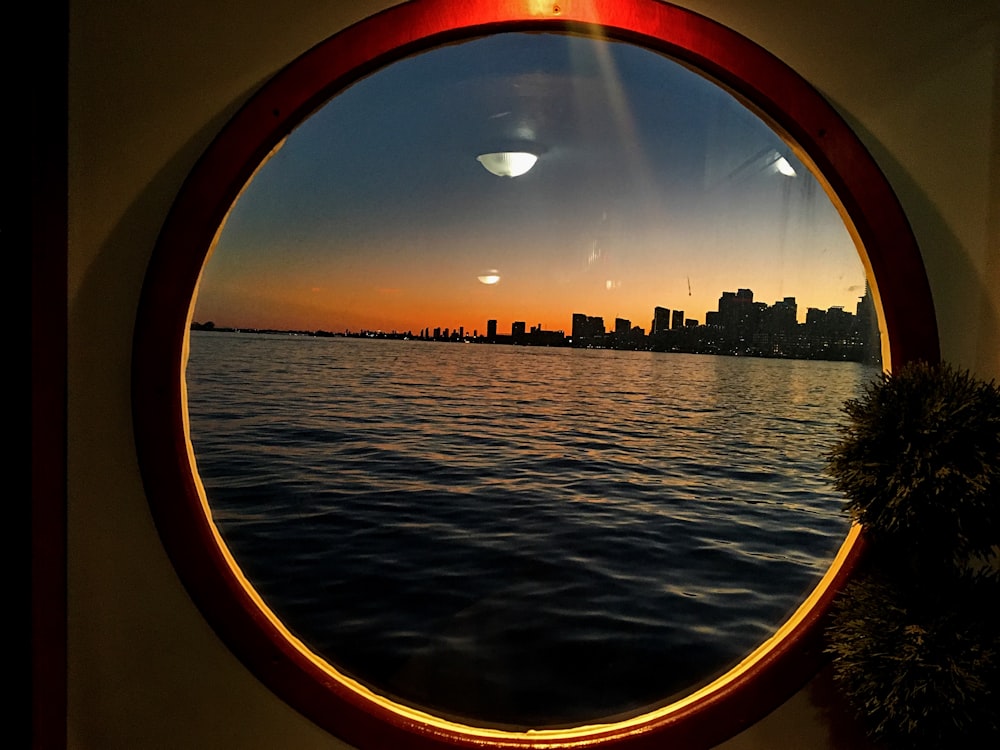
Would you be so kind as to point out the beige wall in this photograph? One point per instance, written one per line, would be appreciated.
(151, 84)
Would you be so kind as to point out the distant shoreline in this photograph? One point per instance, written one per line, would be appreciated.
(670, 342)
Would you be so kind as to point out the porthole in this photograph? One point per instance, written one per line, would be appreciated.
(363, 711)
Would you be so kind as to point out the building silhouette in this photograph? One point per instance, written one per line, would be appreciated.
(587, 330)
(661, 321)
(517, 330)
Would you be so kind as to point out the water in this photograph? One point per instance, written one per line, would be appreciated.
(514, 536)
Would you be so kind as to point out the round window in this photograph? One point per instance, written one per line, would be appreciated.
(485, 369)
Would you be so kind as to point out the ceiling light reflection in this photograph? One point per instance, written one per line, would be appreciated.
(784, 167)
(508, 163)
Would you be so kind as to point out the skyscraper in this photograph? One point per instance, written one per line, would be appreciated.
(588, 330)
(661, 320)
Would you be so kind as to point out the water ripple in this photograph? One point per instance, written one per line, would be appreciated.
(520, 537)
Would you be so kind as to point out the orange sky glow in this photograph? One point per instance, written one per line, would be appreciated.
(653, 187)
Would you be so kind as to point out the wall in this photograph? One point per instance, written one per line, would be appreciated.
(152, 83)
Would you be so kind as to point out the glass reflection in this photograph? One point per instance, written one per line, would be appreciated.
(616, 493)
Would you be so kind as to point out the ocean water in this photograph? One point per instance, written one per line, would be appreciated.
(515, 536)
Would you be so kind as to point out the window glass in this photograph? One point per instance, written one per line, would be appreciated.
(529, 450)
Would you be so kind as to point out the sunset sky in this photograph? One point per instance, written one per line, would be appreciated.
(653, 187)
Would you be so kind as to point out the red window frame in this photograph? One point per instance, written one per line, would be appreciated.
(796, 111)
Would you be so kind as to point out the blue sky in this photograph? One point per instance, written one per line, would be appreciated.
(653, 186)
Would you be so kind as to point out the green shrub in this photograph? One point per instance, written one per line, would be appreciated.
(920, 669)
(919, 462)
(915, 637)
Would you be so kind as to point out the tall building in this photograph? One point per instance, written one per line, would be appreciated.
(491, 330)
(661, 320)
(588, 330)
(677, 319)
(783, 316)
(736, 310)
(868, 330)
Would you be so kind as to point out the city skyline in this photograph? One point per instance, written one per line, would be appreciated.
(528, 320)
(652, 184)
(739, 325)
